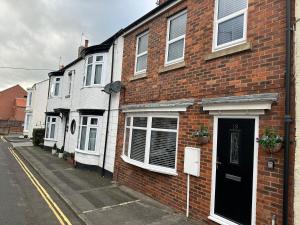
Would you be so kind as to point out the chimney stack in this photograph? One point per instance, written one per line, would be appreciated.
(80, 48)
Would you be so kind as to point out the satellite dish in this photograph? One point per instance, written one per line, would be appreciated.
(113, 87)
(116, 86)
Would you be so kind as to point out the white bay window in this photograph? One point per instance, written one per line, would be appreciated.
(176, 38)
(230, 23)
(51, 123)
(94, 70)
(88, 131)
(151, 142)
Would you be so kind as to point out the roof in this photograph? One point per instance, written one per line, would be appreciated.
(148, 15)
(21, 102)
(103, 47)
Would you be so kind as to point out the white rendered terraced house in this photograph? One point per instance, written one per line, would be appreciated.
(78, 107)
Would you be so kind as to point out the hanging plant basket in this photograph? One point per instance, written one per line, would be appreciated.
(202, 135)
(270, 141)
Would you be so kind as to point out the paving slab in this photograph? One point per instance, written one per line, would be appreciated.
(99, 200)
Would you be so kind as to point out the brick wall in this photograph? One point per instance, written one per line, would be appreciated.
(259, 70)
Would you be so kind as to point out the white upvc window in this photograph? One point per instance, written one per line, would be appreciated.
(69, 83)
(150, 142)
(141, 58)
(94, 70)
(176, 38)
(51, 127)
(230, 23)
(89, 128)
(28, 120)
(29, 98)
(55, 87)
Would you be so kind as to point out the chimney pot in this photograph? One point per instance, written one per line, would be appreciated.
(86, 43)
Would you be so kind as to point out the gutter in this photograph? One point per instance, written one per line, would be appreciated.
(287, 116)
(108, 109)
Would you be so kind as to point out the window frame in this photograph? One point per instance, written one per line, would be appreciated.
(94, 64)
(89, 126)
(53, 84)
(169, 42)
(26, 124)
(50, 123)
(149, 129)
(217, 21)
(29, 98)
(70, 82)
(141, 54)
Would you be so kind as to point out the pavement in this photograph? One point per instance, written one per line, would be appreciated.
(21, 202)
(95, 199)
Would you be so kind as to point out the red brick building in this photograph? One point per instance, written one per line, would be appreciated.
(216, 64)
(13, 103)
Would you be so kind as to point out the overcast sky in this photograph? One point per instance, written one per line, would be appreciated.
(35, 33)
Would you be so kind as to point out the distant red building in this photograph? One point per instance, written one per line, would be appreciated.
(13, 103)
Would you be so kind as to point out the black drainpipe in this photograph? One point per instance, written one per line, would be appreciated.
(108, 110)
(287, 117)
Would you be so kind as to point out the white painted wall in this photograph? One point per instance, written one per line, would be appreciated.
(90, 98)
(297, 157)
(38, 106)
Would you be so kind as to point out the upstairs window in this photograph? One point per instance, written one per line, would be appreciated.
(151, 142)
(94, 70)
(176, 38)
(88, 131)
(50, 127)
(55, 87)
(29, 99)
(230, 23)
(141, 53)
(69, 83)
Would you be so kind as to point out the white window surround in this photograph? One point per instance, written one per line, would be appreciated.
(56, 89)
(214, 217)
(215, 46)
(88, 126)
(138, 55)
(29, 98)
(70, 78)
(51, 128)
(97, 60)
(146, 165)
(169, 42)
(28, 120)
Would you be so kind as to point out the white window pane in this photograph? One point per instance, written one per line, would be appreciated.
(94, 121)
(127, 133)
(143, 44)
(48, 119)
(90, 60)
(140, 121)
(47, 130)
(53, 120)
(82, 138)
(52, 131)
(141, 63)
(84, 120)
(231, 30)
(177, 26)
(56, 90)
(99, 58)
(227, 7)
(164, 123)
(88, 75)
(128, 120)
(176, 50)
(138, 145)
(163, 149)
(98, 73)
(92, 139)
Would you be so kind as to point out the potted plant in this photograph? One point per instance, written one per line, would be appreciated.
(61, 152)
(202, 135)
(54, 149)
(270, 141)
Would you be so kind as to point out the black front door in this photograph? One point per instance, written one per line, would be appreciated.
(234, 170)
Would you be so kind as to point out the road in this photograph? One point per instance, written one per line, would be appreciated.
(25, 199)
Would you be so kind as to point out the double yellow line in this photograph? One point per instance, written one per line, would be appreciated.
(52, 205)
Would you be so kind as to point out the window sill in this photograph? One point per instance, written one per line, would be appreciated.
(92, 86)
(49, 139)
(171, 67)
(138, 76)
(148, 167)
(229, 51)
(87, 152)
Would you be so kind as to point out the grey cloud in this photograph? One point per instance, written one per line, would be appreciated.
(35, 33)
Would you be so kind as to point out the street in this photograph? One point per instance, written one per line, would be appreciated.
(25, 198)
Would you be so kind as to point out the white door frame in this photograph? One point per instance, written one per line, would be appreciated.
(213, 216)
